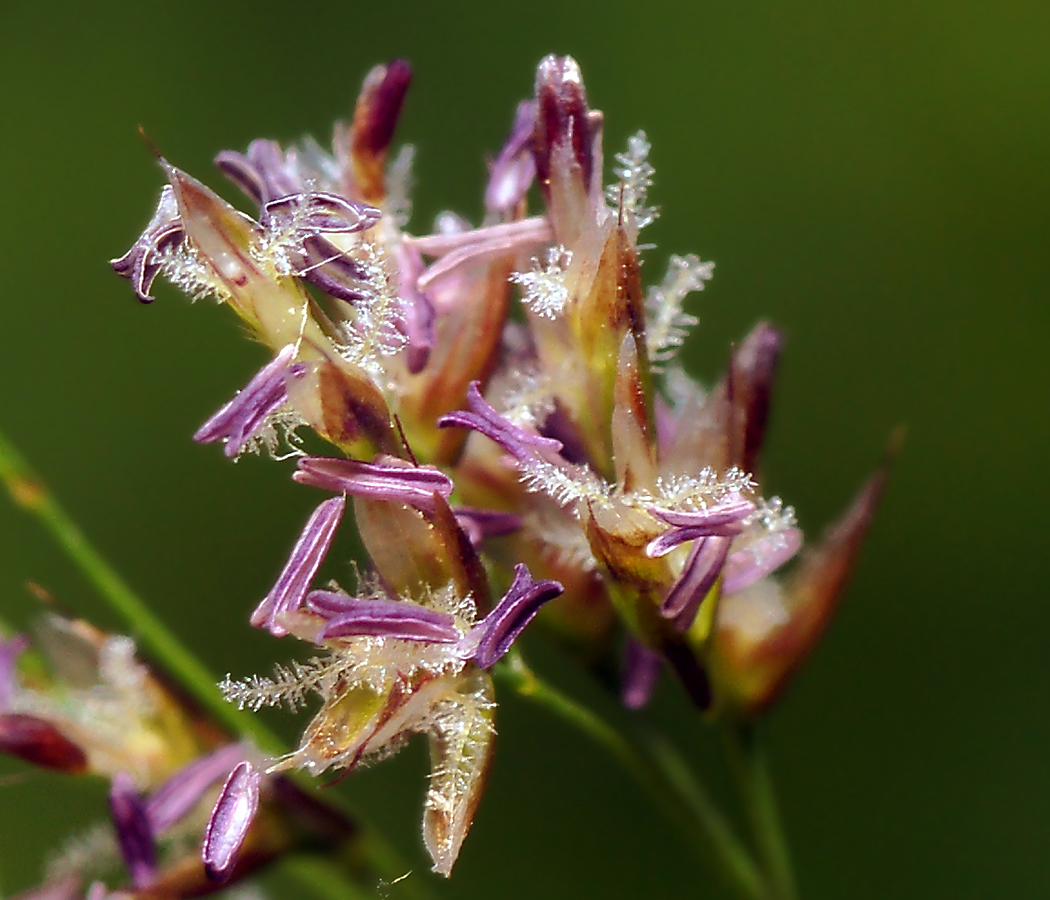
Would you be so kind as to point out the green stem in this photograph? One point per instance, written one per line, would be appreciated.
(661, 772)
(748, 759)
(321, 877)
(29, 492)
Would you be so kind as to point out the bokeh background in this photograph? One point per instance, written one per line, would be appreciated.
(871, 176)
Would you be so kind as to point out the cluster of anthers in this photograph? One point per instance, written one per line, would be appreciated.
(498, 459)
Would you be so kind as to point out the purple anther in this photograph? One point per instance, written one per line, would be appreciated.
(418, 311)
(753, 367)
(230, 820)
(722, 520)
(248, 414)
(666, 421)
(479, 524)
(239, 169)
(379, 106)
(641, 667)
(383, 618)
(513, 171)
(521, 444)
(696, 580)
(263, 173)
(492, 636)
(412, 485)
(764, 555)
(301, 218)
(479, 245)
(132, 825)
(10, 650)
(180, 793)
(455, 236)
(317, 212)
(142, 263)
(39, 742)
(329, 604)
(294, 581)
(332, 270)
(692, 675)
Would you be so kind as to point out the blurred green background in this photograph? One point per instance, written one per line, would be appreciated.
(872, 177)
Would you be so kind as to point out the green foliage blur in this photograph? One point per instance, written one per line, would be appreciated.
(872, 177)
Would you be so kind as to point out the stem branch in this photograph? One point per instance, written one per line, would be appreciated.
(662, 772)
(316, 873)
(29, 492)
(748, 759)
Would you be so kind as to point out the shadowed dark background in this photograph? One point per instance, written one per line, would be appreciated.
(871, 177)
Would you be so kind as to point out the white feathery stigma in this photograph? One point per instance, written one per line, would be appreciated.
(666, 322)
(543, 287)
(635, 176)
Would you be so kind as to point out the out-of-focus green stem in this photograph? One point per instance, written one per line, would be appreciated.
(320, 876)
(28, 491)
(748, 759)
(382, 859)
(659, 771)
(323, 877)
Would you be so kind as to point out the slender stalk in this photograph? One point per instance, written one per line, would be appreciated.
(29, 492)
(748, 759)
(660, 772)
(324, 876)
(323, 879)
